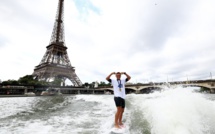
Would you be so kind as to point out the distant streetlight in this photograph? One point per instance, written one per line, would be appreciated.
(187, 78)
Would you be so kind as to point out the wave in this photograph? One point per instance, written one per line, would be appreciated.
(170, 111)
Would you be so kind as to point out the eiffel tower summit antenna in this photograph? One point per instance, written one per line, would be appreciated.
(55, 62)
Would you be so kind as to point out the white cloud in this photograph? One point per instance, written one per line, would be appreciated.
(151, 40)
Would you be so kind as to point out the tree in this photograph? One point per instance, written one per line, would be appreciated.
(56, 82)
(10, 82)
(102, 83)
(28, 80)
(86, 84)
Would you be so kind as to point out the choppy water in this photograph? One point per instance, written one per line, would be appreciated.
(172, 111)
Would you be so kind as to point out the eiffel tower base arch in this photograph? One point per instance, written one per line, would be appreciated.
(49, 71)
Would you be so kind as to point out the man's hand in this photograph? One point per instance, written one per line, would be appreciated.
(128, 77)
(108, 77)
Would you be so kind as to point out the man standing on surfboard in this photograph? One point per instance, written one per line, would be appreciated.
(119, 95)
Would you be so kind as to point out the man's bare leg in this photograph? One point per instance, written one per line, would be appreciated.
(120, 116)
(117, 116)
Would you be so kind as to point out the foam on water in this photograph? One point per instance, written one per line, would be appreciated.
(105, 109)
(11, 106)
(175, 111)
(171, 111)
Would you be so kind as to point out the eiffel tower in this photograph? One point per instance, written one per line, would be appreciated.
(55, 63)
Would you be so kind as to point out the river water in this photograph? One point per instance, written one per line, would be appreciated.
(171, 111)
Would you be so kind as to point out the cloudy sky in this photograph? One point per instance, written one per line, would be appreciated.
(152, 40)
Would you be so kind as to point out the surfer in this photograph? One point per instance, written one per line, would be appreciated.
(119, 95)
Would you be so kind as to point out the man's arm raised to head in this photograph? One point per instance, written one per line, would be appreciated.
(108, 77)
(128, 76)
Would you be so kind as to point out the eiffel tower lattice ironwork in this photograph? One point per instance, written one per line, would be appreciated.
(55, 63)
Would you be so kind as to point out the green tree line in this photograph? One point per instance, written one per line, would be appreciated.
(25, 80)
(30, 80)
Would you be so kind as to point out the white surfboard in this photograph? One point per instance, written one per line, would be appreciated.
(117, 130)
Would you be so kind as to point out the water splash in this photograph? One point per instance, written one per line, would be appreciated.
(175, 111)
(170, 111)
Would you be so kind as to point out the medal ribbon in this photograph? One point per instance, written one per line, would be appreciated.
(119, 84)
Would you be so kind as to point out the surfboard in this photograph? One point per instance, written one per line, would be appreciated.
(118, 130)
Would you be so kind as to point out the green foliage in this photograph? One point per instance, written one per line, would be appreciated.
(25, 80)
(56, 82)
(86, 84)
(91, 85)
(10, 82)
(29, 80)
(102, 83)
(42, 83)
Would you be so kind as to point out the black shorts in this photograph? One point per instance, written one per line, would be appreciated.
(120, 102)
